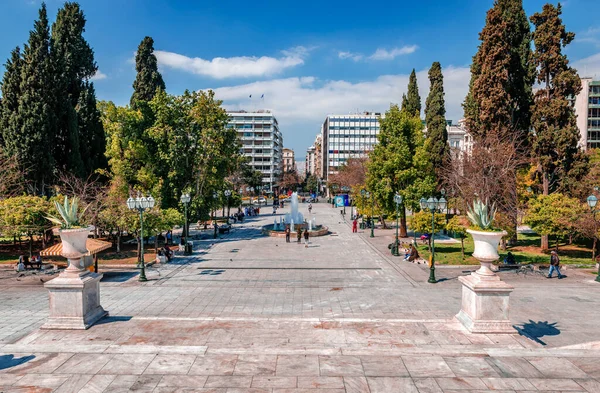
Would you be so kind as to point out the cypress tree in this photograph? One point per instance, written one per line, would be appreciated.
(499, 98)
(93, 140)
(403, 104)
(555, 146)
(33, 140)
(73, 62)
(11, 90)
(435, 118)
(413, 99)
(148, 79)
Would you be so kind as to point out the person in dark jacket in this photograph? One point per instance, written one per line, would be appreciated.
(299, 234)
(554, 265)
(287, 234)
(306, 238)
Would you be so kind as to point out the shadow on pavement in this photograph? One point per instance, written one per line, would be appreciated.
(536, 330)
(8, 361)
(118, 276)
(111, 319)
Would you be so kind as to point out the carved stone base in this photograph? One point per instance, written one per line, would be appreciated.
(74, 300)
(485, 304)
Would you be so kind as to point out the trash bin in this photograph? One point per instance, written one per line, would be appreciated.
(188, 248)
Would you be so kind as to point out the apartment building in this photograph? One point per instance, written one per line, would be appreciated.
(289, 160)
(587, 109)
(262, 142)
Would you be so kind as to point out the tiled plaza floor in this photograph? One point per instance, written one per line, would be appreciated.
(253, 314)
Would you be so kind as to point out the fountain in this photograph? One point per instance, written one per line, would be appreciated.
(295, 219)
(294, 215)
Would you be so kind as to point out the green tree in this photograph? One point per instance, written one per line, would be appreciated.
(499, 97)
(93, 139)
(400, 164)
(435, 119)
(72, 62)
(33, 135)
(458, 226)
(412, 102)
(11, 91)
(554, 214)
(312, 183)
(556, 139)
(148, 79)
(421, 222)
(24, 215)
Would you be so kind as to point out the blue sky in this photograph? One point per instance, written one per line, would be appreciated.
(309, 58)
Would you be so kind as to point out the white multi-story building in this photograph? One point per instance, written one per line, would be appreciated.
(587, 109)
(347, 136)
(310, 161)
(262, 142)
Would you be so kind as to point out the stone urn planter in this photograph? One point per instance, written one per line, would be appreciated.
(485, 297)
(74, 246)
(486, 249)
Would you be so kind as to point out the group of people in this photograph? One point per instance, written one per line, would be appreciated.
(251, 211)
(299, 234)
(411, 254)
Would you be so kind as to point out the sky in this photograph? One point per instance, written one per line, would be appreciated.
(306, 59)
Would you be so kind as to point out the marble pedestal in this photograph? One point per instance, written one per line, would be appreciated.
(485, 304)
(74, 300)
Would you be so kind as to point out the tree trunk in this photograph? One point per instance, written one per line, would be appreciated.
(156, 243)
(546, 189)
(402, 229)
(462, 247)
(118, 241)
(594, 250)
(30, 246)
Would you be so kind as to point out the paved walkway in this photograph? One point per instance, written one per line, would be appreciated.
(250, 313)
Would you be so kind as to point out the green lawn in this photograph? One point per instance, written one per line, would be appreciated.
(526, 251)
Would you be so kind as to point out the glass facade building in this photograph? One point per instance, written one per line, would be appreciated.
(347, 136)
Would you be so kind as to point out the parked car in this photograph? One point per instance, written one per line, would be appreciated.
(259, 201)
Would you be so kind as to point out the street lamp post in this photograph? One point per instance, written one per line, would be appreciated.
(592, 201)
(398, 202)
(362, 213)
(140, 204)
(227, 195)
(185, 199)
(432, 204)
(372, 222)
(215, 196)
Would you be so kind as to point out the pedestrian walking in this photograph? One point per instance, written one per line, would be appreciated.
(310, 207)
(355, 226)
(554, 265)
(299, 234)
(306, 238)
(287, 234)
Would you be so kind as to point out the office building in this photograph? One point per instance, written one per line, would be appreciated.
(347, 136)
(262, 142)
(289, 161)
(587, 109)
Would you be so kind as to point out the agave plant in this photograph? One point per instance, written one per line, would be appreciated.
(481, 215)
(68, 213)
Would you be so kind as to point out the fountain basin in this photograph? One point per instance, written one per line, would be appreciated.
(320, 230)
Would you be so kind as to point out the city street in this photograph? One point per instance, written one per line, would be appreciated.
(250, 313)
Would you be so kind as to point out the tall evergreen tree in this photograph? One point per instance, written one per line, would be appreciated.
(93, 140)
(499, 98)
(555, 145)
(32, 141)
(148, 79)
(403, 104)
(413, 99)
(435, 118)
(72, 62)
(11, 90)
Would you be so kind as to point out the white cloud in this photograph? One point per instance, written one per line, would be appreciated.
(384, 54)
(591, 35)
(232, 67)
(588, 67)
(306, 100)
(350, 55)
(98, 76)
